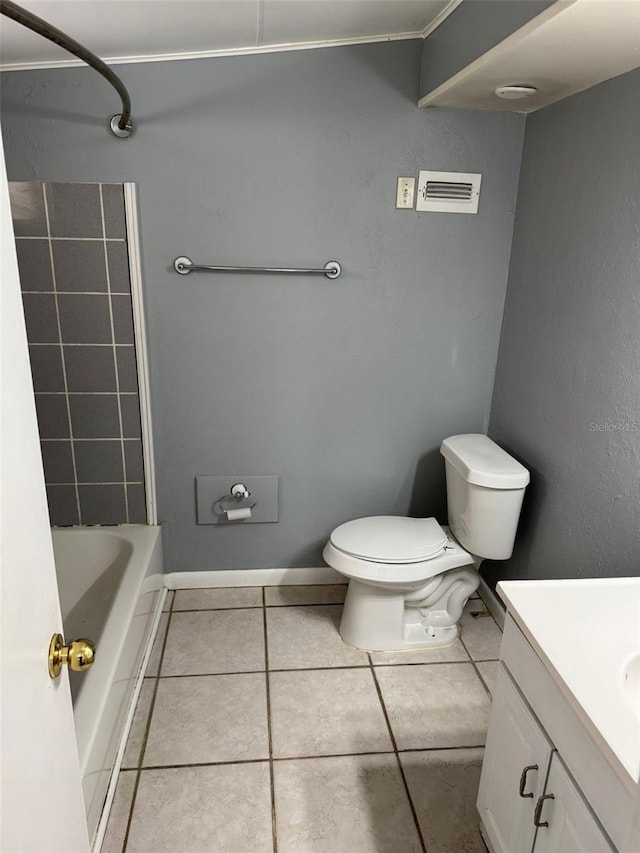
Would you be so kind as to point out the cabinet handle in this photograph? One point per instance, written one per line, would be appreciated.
(538, 813)
(523, 780)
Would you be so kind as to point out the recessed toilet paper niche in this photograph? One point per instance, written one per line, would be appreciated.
(264, 498)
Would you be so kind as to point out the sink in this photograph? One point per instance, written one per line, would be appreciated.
(631, 682)
(587, 633)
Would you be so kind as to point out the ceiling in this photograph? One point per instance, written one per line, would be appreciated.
(148, 30)
(571, 46)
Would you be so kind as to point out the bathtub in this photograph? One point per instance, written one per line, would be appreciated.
(110, 584)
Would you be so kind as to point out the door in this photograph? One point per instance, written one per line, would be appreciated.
(41, 807)
(572, 827)
(514, 770)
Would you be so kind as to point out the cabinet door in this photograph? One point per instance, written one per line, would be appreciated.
(572, 826)
(508, 793)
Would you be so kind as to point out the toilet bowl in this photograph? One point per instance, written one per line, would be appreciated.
(410, 578)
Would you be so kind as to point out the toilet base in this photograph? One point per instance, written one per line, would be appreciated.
(379, 619)
(418, 635)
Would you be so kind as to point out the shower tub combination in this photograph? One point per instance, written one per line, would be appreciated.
(110, 582)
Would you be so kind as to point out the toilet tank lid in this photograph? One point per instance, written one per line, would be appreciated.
(483, 463)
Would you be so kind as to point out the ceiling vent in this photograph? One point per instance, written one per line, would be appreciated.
(448, 192)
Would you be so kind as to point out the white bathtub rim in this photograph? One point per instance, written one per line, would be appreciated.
(98, 840)
(129, 592)
(98, 720)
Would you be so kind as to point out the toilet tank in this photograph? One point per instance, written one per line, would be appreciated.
(485, 488)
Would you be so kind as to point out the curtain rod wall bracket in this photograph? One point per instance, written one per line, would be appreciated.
(121, 124)
(120, 132)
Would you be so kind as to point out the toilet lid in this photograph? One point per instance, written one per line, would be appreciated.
(390, 539)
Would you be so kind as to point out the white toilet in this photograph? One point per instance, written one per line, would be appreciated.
(410, 578)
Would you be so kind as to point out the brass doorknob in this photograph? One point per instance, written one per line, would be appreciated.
(78, 655)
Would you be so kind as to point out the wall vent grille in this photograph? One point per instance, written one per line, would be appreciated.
(448, 192)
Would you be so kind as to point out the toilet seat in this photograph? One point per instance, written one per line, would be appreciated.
(393, 574)
(390, 539)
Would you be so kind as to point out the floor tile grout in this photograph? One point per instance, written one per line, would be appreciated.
(395, 750)
(143, 745)
(324, 668)
(439, 748)
(218, 609)
(271, 760)
(477, 671)
(242, 606)
(274, 835)
(280, 759)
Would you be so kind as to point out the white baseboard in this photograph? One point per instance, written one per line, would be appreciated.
(252, 577)
(493, 603)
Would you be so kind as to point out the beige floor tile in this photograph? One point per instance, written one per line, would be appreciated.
(450, 654)
(119, 816)
(139, 725)
(208, 719)
(487, 670)
(203, 809)
(280, 596)
(444, 786)
(211, 641)
(167, 602)
(350, 804)
(326, 712)
(435, 706)
(156, 651)
(307, 637)
(218, 599)
(480, 634)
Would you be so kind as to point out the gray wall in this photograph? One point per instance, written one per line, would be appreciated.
(567, 391)
(471, 30)
(343, 388)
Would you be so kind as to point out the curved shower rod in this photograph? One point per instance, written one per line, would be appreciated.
(121, 124)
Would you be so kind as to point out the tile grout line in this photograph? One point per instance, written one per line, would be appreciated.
(395, 750)
(81, 239)
(274, 836)
(143, 745)
(280, 759)
(303, 668)
(475, 667)
(79, 293)
(115, 356)
(102, 483)
(259, 22)
(255, 671)
(81, 344)
(62, 357)
(90, 439)
(219, 609)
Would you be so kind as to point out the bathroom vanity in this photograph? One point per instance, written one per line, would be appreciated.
(562, 762)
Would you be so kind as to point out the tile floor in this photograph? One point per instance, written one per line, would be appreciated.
(258, 730)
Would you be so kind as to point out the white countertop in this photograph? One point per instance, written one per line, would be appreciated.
(587, 632)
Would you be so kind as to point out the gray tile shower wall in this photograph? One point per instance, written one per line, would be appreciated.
(72, 255)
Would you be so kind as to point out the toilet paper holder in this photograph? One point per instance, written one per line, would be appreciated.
(238, 493)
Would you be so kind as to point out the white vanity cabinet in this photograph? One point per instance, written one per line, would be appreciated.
(515, 767)
(519, 812)
(566, 823)
(545, 786)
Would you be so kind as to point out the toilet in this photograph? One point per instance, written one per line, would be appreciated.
(410, 578)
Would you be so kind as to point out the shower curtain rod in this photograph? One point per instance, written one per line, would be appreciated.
(121, 124)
